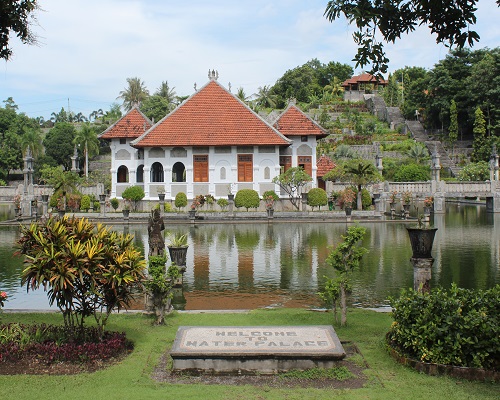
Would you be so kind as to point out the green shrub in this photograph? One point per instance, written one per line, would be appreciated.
(458, 327)
(271, 193)
(115, 203)
(181, 200)
(133, 194)
(247, 198)
(222, 203)
(167, 207)
(85, 202)
(366, 199)
(412, 173)
(317, 197)
(479, 171)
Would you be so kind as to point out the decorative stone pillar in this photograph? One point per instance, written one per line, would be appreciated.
(436, 166)
(102, 203)
(230, 199)
(74, 157)
(28, 172)
(304, 201)
(422, 273)
(494, 164)
(45, 204)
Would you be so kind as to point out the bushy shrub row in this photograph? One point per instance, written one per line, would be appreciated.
(458, 327)
(51, 343)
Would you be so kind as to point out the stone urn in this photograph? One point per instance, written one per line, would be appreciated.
(348, 210)
(270, 213)
(178, 255)
(161, 196)
(421, 240)
(192, 214)
(126, 213)
(230, 197)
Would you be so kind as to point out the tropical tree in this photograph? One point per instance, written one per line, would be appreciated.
(417, 153)
(88, 270)
(31, 138)
(156, 107)
(63, 182)
(167, 93)
(480, 145)
(391, 18)
(59, 143)
(344, 258)
(86, 137)
(240, 94)
(453, 128)
(134, 94)
(292, 181)
(265, 98)
(15, 21)
(61, 116)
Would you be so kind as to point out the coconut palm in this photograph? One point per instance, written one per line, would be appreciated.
(86, 137)
(240, 94)
(265, 98)
(134, 94)
(31, 138)
(361, 173)
(418, 152)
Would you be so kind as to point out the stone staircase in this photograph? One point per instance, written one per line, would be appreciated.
(420, 135)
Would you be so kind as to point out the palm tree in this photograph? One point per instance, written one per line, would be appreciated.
(165, 91)
(31, 138)
(361, 173)
(134, 94)
(87, 138)
(240, 94)
(418, 152)
(265, 98)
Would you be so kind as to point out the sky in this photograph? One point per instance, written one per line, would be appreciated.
(87, 48)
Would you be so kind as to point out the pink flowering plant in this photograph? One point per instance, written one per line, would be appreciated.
(269, 202)
(428, 201)
(3, 298)
(393, 196)
(17, 201)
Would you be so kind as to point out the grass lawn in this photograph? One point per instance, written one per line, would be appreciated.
(131, 379)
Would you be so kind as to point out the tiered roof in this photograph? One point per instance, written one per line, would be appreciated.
(130, 126)
(293, 122)
(325, 165)
(212, 117)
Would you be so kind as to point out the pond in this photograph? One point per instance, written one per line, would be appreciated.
(250, 265)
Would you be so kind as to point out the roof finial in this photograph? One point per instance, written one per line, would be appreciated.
(229, 86)
(213, 75)
(195, 87)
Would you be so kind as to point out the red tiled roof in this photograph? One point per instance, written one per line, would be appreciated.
(211, 117)
(293, 122)
(130, 126)
(325, 165)
(363, 78)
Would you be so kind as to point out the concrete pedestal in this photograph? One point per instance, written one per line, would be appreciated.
(422, 273)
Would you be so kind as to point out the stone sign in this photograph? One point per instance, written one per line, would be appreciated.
(266, 349)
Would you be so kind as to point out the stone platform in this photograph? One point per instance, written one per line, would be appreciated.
(256, 349)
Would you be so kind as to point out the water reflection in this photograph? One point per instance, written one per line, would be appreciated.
(256, 265)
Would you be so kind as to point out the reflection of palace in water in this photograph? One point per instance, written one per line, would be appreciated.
(248, 265)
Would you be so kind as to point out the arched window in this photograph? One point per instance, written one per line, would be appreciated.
(267, 173)
(122, 174)
(223, 174)
(156, 172)
(139, 175)
(178, 172)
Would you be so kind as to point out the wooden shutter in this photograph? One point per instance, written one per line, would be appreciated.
(245, 168)
(285, 163)
(306, 163)
(200, 168)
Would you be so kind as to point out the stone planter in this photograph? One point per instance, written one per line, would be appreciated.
(126, 214)
(192, 214)
(230, 197)
(421, 240)
(178, 255)
(348, 211)
(270, 213)
(161, 196)
(45, 198)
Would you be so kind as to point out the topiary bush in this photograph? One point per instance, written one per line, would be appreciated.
(115, 203)
(134, 194)
(181, 200)
(458, 327)
(222, 203)
(85, 202)
(317, 197)
(247, 198)
(412, 173)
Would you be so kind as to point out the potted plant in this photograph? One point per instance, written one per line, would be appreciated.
(17, 203)
(161, 193)
(61, 206)
(194, 208)
(347, 197)
(392, 199)
(177, 248)
(269, 201)
(406, 198)
(230, 195)
(421, 239)
(428, 203)
(126, 208)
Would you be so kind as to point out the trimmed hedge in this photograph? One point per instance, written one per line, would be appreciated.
(459, 327)
(247, 198)
(317, 197)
